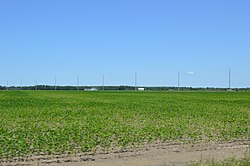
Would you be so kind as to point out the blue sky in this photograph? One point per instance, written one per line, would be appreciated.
(155, 38)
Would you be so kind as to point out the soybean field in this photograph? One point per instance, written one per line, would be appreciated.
(59, 122)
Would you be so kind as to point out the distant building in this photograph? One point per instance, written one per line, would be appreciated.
(141, 89)
(90, 89)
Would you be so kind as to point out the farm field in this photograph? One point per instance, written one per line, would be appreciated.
(59, 122)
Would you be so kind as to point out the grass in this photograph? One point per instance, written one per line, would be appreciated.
(57, 122)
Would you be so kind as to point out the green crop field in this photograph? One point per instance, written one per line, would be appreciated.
(57, 122)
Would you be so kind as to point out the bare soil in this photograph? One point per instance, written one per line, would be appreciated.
(157, 154)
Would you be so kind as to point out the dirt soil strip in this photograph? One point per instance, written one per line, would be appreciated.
(155, 155)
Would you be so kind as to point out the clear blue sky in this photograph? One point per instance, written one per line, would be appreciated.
(155, 38)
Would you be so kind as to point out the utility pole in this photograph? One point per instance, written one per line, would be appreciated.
(103, 82)
(21, 84)
(55, 83)
(135, 80)
(36, 83)
(77, 82)
(229, 78)
(178, 80)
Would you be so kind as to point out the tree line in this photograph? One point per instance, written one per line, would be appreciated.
(122, 87)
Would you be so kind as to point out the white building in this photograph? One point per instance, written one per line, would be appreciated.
(141, 89)
(90, 89)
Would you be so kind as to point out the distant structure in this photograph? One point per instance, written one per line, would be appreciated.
(103, 82)
(90, 89)
(135, 81)
(178, 80)
(229, 79)
(55, 83)
(21, 84)
(141, 89)
(36, 83)
(77, 82)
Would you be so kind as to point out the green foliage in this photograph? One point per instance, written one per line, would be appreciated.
(56, 122)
